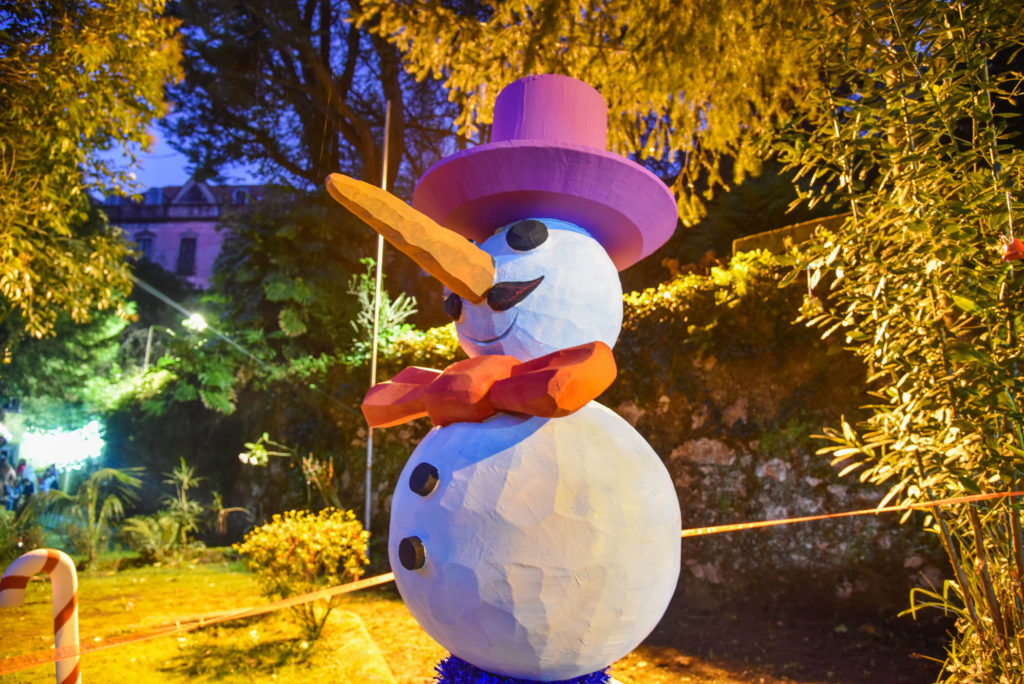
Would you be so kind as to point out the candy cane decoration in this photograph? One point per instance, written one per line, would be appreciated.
(64, 582)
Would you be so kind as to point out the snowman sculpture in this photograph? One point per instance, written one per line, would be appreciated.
(534, 533)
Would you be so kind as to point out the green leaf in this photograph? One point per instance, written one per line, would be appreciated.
(291, 322)
(217, 401)
(965, 304)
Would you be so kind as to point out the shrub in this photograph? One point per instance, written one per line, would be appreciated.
(300, 551)
(19, 533)
(153, 537)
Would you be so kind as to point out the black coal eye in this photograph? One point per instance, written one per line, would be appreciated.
(453, 306)
(526, 235)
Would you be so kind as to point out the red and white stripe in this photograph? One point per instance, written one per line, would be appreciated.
(64, 582)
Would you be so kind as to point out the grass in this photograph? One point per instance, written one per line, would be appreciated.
(370, 639)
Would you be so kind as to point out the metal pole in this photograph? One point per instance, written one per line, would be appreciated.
(149, 346)
(376, 323)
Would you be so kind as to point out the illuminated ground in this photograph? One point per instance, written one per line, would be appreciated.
(374, 639)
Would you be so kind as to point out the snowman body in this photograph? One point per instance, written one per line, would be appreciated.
(551, 543)
(534, 533)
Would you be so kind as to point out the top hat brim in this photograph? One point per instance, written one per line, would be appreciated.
(625, 207)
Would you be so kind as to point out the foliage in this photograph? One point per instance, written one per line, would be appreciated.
(717, 312)
(257, 454)
(737, 310)
(391, 319)
(299, 551)
(689, 87)
(154, 537)
(299, 91)
(279, 295)
(184, 511)
(77, 79)
(432, 347)
(763, 201)
(96, 503)
(221, 513)
(910, 123)
(91, 368)
(20, 532)
(283, 271)
(63, 379)
(315, 471)
(154, 322)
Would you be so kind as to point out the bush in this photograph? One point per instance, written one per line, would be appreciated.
(19, 533)
(153, 537)
(300, 551)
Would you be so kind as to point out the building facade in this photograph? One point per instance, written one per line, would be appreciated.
(177, 227)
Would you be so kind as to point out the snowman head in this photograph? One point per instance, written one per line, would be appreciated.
(554, 287)
(569, 214)
(532, 287)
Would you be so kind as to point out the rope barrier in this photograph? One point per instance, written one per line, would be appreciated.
(736, 527)
(22, 662)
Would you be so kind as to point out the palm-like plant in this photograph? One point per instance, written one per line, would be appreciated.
(96, 503)
(184, 511)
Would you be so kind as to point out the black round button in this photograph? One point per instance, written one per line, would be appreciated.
(423, 479)
(411, 553)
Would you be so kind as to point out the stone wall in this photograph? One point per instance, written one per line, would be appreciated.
(736, 434)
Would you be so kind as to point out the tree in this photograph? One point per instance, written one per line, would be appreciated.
(911, 125)
(283, 271)
(56, 377)
(294, 88)
(691, 87)
(77, 78)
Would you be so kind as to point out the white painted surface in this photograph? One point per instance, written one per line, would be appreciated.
(552, 545)
(579, 300)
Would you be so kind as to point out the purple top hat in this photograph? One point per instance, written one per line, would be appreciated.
(549, 159)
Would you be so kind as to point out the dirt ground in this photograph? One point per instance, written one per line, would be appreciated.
(755, 646)
(764, 646)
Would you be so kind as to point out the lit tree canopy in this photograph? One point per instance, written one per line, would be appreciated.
(293, 88)
(688, 83)
(77, 78)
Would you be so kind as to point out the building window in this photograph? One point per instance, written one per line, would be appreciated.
(145, 244)
(154, 196)
(187, 257)
(240, 197)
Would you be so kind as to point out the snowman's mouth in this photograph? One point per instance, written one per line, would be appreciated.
(501, 336)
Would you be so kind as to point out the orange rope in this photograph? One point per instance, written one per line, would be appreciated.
(736, 527)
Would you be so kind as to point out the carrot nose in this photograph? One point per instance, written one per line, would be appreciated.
(461, 266)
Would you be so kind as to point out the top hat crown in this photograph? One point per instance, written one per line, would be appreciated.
(548, 158)
(556, 109)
